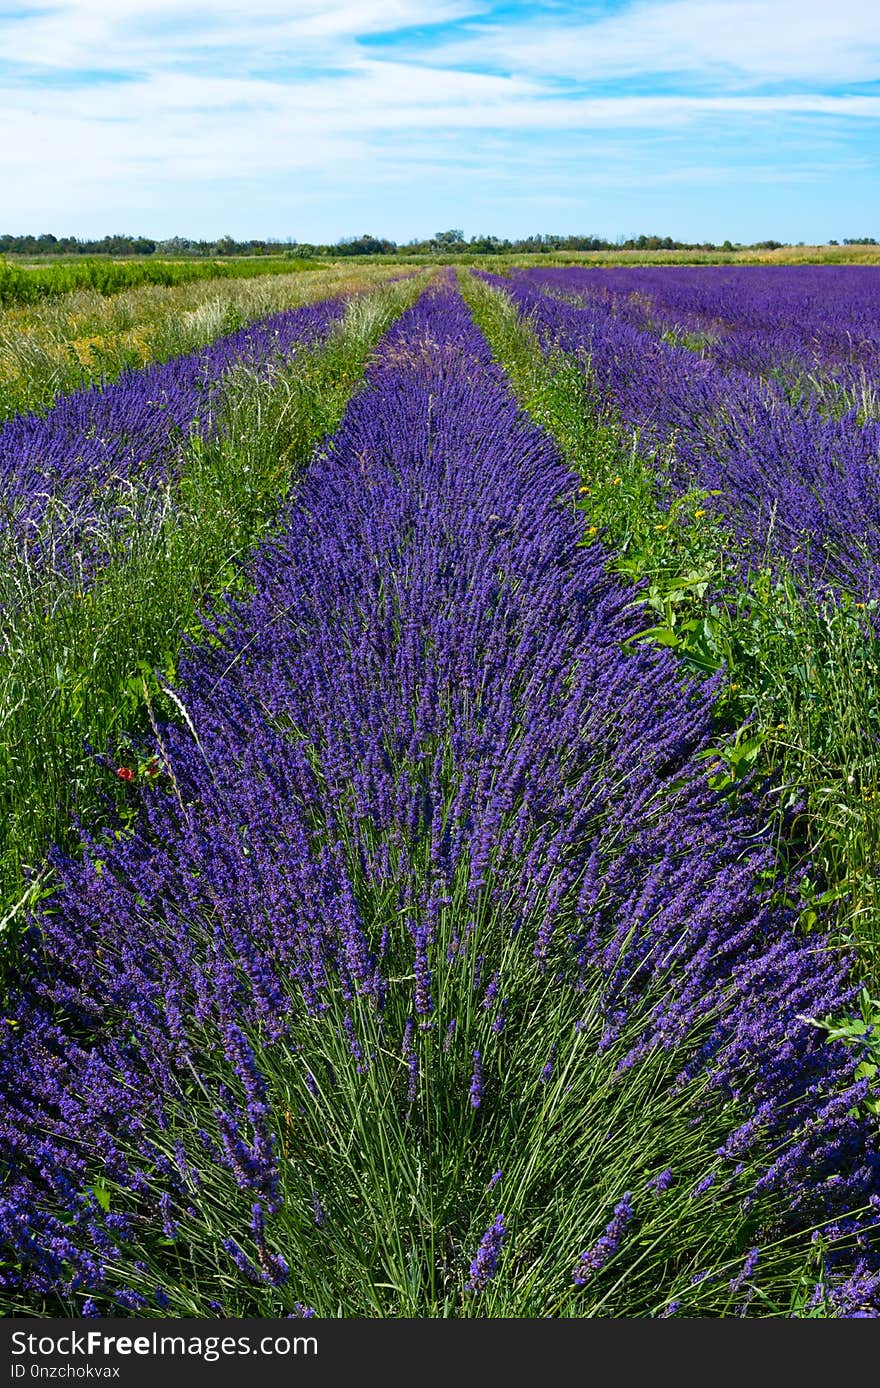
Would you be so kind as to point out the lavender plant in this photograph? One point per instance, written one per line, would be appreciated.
(129, 435)
(813, 329)
(79, 640)
(82, 338)
(423, 783)
(801, 658)
(785, 480)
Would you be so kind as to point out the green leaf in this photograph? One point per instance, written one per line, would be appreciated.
(102, 1195)
(661, 636)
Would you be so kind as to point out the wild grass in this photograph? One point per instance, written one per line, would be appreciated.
(28, 285)
(801, 696)
(78, 658)
(61, 344)
(501, 262)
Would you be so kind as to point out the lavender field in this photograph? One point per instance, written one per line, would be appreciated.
(459, 896)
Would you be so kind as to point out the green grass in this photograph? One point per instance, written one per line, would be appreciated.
(77, 659)
(84, 337)
(19, 285)
(801, 694)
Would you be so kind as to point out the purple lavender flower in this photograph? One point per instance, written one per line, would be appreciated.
(242, 1261)
(412, 1087)
(547, 1072)
(169, 1224)
(662, 1181)
(485, 1264)
(130, 1299)
(476, 1089)
(320, 1216)
(606, 1245)
(746, 1272)
(424, 1004)
(273, 1267)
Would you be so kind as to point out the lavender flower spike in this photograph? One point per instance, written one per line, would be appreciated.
(485, 1264)
(596, 1257)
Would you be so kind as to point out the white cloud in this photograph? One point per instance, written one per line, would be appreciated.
(154, 34)
(824, 42)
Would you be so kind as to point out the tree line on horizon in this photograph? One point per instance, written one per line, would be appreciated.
(443, 242)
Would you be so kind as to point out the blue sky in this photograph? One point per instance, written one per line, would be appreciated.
(317, 119)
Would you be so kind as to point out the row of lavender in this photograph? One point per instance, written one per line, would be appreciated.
(783, 321)
(430, 812)
(788, 480)
(102, 440)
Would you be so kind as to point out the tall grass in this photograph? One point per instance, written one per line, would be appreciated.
(58, 345)
(77, 661)
(801, 697)
(28, 286)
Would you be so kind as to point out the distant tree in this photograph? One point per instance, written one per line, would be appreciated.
(176, 245)
(365, 245)
(486, 245)
(445, 240)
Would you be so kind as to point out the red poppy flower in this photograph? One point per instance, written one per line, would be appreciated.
(125, 773)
